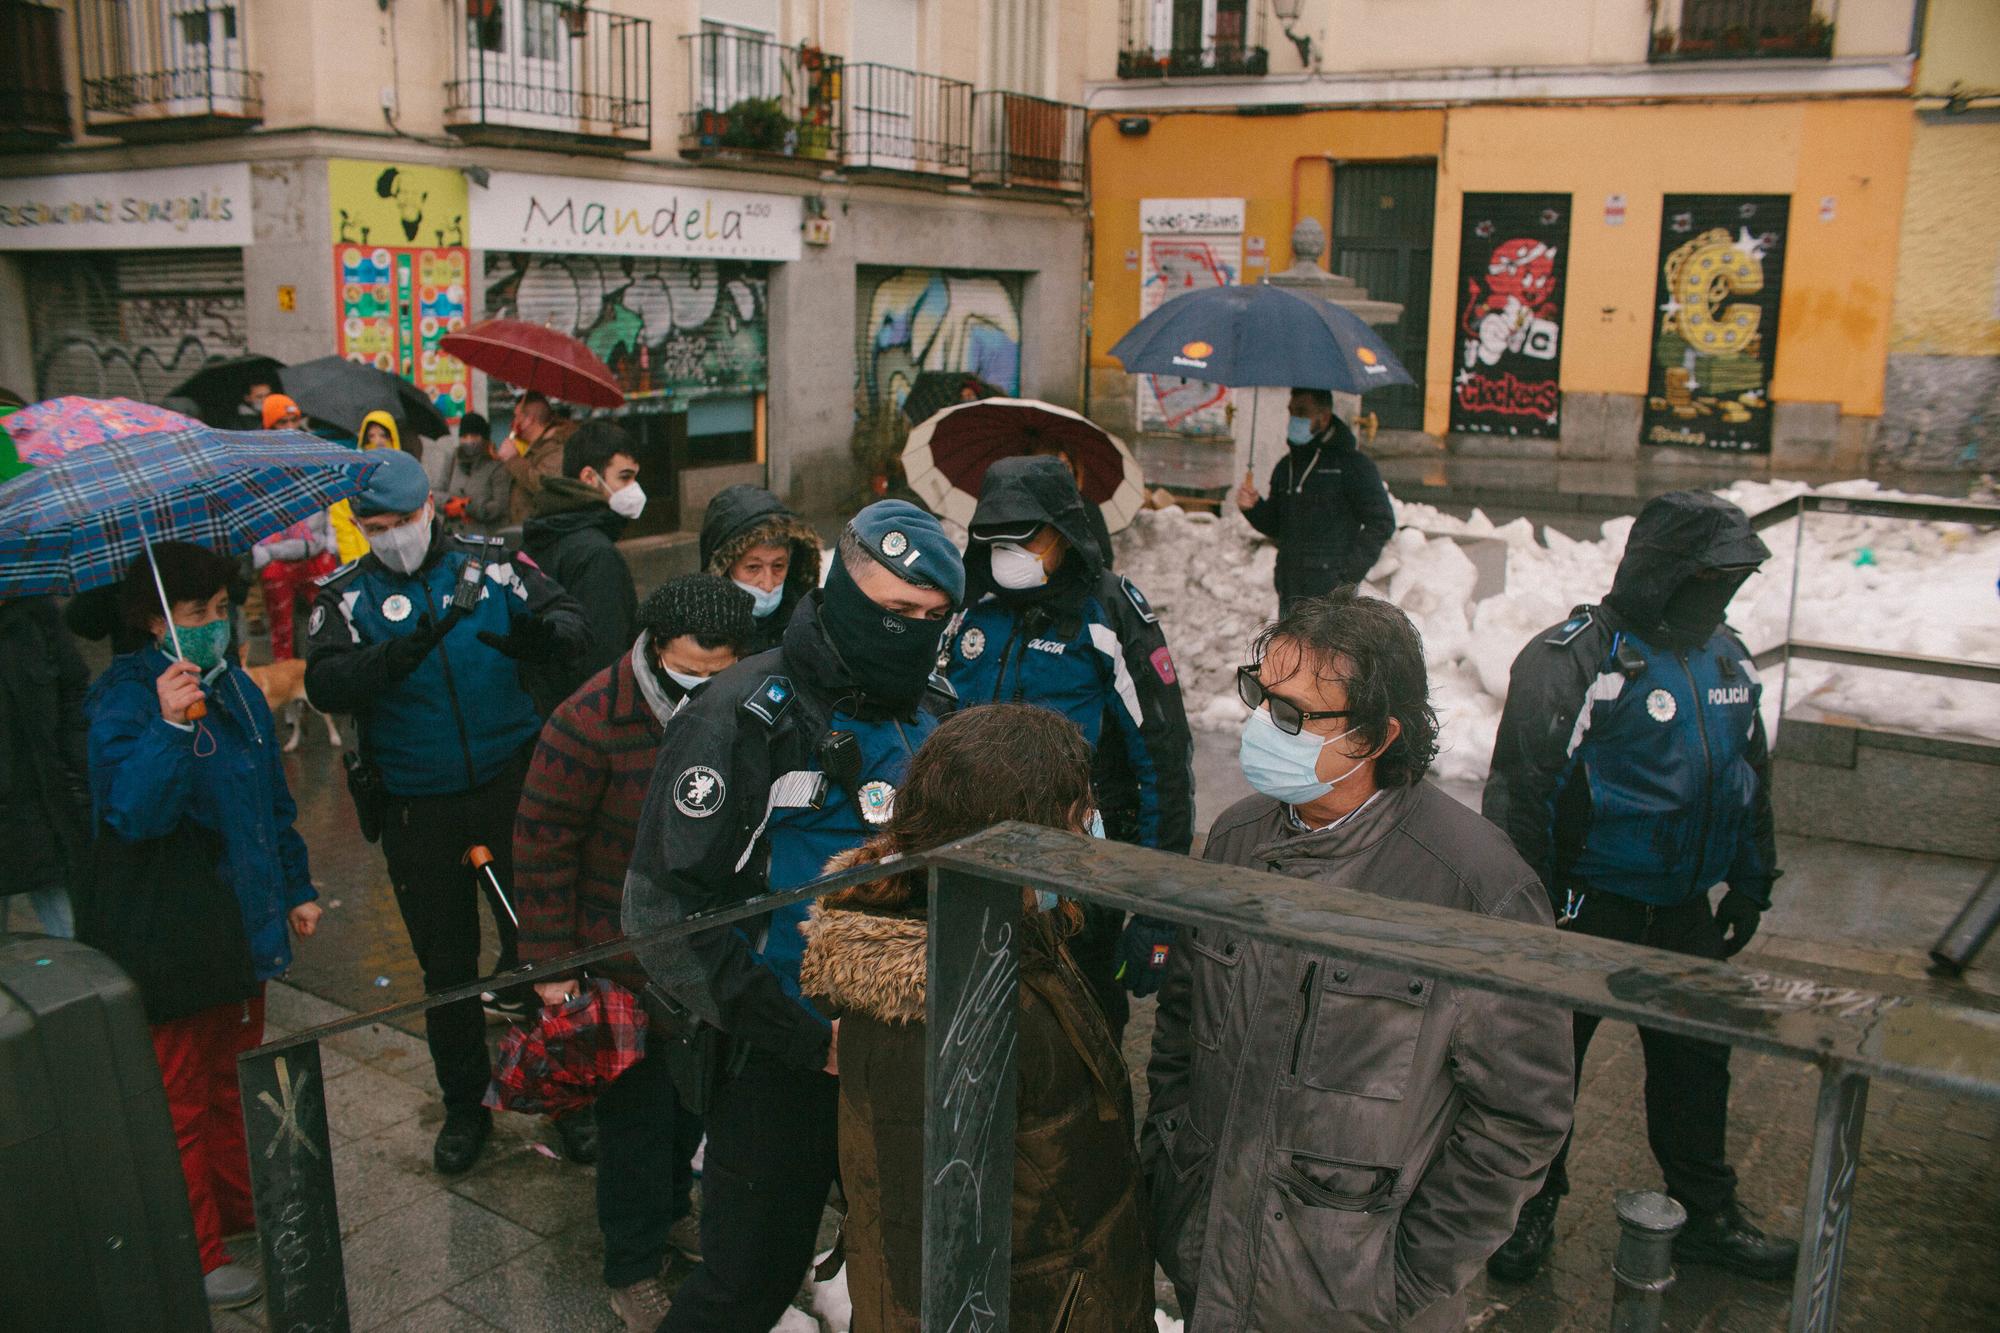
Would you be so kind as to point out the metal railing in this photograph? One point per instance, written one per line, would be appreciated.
(754, 97)
(1850, 1035)
(1180, 39)
(901, 120)
(1743, 30)
(1027, 143)
(157, 60)
(551, 70)
(33, 107)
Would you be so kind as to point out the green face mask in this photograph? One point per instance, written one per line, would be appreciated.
(203, 645)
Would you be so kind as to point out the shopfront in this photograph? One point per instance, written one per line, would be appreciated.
(670, 287)
(132, 280)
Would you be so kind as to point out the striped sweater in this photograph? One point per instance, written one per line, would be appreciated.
(579, 815)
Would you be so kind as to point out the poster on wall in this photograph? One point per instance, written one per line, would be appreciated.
(1186, 245)
(401, 272)
(914, 321)
(681, 328)
(1513, 259)
(1720, 281)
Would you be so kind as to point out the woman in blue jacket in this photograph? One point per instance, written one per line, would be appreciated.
(199, 874)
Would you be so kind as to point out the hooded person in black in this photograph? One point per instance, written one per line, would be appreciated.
(1631, 771)
(1328, 511)
(751, 539)
(1047, 624)
(573, 536)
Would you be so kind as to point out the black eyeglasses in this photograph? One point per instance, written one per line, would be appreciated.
(1288, 716)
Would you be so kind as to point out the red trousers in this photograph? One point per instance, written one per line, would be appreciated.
(286, 583)
(197, 1056)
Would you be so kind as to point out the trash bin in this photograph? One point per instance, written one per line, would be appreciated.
(92, 1200)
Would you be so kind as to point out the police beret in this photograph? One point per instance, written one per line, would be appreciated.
(398, 485)
(912, 544)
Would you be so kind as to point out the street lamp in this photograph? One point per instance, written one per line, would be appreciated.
(1287, 12)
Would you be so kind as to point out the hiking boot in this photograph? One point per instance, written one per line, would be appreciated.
(1534, 1236)
(684, 1237)
(232, 1285)
(578, 1132)
(642, 1305)
(1726, 1239)
(458, 1143)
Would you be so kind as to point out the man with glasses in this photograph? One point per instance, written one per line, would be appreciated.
(1630, 770)
(1329, 1138)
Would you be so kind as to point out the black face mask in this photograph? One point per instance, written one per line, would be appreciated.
(1695, 609)
(890, 657)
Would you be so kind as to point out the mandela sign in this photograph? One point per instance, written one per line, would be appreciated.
(569, 215)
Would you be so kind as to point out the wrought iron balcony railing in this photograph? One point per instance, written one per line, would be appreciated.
(900, 120)
(754, 97)
(527, 71)
(154, 67)
(1191, 39)
(34, 111)
(1742, 30)
(1027, 143)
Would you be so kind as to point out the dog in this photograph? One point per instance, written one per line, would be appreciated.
(284, 685)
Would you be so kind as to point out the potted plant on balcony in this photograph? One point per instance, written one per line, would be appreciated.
(577, 17)
(481, 10)
(758, 124)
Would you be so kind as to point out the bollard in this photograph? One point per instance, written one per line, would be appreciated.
(1643, 1268)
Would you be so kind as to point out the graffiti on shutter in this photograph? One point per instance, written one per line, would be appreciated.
(132, 323)
(912, 320)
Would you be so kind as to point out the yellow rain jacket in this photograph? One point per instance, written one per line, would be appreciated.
(353, 543)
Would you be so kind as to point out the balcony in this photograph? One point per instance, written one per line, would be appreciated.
(547, 73)
(1026, 143)
(758, 100)
(34, 113)
(1191, 39)
(900, 120)
(163, 69)
(1742, 30)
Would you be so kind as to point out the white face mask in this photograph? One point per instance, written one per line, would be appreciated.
(403, 547)
(683, 679)
(1016, 568)
(629, 501)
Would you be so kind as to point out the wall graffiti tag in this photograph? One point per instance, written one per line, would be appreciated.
(1172, 266)
(913, 320)
(132, 325)
(1721, 277)
(1512, 264)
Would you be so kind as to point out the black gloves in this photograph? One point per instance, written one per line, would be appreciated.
(1142, 953)
(528, 639)
(1736, 917)
(401, 656)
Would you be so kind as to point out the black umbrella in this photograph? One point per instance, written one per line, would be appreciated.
(217, 389)
(342, 392)
(935, 390)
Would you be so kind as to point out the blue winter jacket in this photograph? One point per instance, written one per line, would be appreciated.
(224, 774)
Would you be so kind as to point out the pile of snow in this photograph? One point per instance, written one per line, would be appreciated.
(1878, 583)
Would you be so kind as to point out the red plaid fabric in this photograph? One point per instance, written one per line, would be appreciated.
(573, 1049)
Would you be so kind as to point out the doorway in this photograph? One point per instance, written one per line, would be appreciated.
(1382, 217)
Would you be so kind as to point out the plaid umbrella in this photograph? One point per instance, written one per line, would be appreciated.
(80, 521)
(574, 1049)
(52, 428)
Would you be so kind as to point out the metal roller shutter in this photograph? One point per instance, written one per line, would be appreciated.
(132, 323)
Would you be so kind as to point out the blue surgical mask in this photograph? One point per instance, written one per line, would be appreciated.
(763, 602)
(1046, 901)
(1095, 828)
(1298, 431)
(1285, 767)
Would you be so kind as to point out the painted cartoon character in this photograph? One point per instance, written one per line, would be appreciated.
(1517, 312)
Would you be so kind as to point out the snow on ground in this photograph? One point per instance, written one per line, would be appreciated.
(1863, 582)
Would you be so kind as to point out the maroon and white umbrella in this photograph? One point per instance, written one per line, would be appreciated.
(948, 454)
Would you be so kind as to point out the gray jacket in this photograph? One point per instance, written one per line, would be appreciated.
(1334, 1145)
(488, 492)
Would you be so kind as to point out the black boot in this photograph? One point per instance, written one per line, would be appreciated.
(578, 1132)
(458, 1143)
(1726, 1239)
(1534, 1236)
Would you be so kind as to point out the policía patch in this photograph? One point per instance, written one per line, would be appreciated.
(1139, 602)
(1660, 706)
(698, 792)
(972, 643)
(877, 800)
(396, 607)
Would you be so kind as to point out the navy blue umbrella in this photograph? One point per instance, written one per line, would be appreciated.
(1260, 335)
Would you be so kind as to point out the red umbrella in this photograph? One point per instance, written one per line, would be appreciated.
(947, 456)
(531, 357)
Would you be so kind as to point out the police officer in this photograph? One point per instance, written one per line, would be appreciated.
(423, 640)
(1047, 624)
(1631, 772)
(785, 760)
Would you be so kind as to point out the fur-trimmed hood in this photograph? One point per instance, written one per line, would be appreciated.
(743, 516)
(866, 963)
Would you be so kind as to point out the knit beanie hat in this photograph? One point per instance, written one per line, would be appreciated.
(705, 605)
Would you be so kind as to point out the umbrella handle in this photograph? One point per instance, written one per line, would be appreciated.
(197, 710)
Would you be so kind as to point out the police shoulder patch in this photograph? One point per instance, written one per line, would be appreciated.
(770, 700)
(338, 574)
(698, 791)
(1139, 602)
(1567, 632)
(318, 620)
